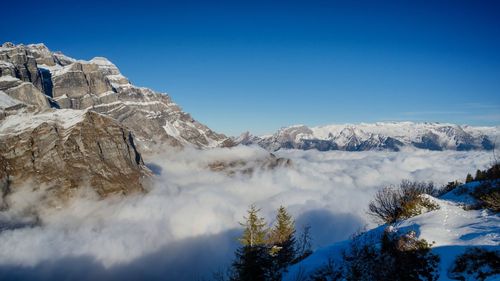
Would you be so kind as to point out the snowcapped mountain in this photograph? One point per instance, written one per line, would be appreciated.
(377, 136)
(34, 75)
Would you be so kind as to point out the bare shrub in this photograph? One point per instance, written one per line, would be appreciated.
(488, 195)
(391, 204)
(397, 258)
(328, 272)
(386, 205)
(492, 200)
(477, 264)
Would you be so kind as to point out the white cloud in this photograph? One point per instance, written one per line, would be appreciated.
(187, 225)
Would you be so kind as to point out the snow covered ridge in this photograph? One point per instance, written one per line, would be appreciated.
(17, 123)
(451, 230)
(30, 73)
(390, 136)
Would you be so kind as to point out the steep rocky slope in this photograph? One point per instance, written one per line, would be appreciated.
(35, 75)
(66, 149)
(378, 136)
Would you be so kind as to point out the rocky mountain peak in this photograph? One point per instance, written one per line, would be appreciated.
(8, 45)
(60, 81)
(68, 123)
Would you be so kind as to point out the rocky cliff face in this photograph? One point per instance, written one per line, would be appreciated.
(20, 63)
(68, 149)
(75, 85)
(378, 136)
(53, 79)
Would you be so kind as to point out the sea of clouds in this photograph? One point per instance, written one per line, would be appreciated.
(187, 225)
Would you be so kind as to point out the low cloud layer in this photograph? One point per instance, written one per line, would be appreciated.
(186, 227)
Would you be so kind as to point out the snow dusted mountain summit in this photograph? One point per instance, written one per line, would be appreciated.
(377, 136)
(34, 75)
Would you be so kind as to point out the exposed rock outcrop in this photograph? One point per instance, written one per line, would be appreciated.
(242, 166)
(68, 149)
(19, 62)
(78, 85)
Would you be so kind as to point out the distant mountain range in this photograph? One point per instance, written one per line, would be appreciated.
(390, 136)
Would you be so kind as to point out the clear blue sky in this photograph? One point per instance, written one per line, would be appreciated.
(260, 65)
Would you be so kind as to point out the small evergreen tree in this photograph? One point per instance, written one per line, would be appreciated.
(284, 227)
(480, 175)
(282, 242)
(449, 187)
(252, 263)
(252, 259)
(255, 229)
(469, 178)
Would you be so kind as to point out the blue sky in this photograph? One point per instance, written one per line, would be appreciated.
(261, 65)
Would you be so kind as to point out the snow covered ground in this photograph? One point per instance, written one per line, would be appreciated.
(450, 229)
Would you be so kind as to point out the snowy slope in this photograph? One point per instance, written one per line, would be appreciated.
(450, 228)
(7, 101)
(378, 136)
(17, 123)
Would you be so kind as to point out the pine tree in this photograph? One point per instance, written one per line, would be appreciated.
(284, 227)
(480, 175)
(252, 263)
(282, 240)
(469, 178)
(252, 259)
(255, 229)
